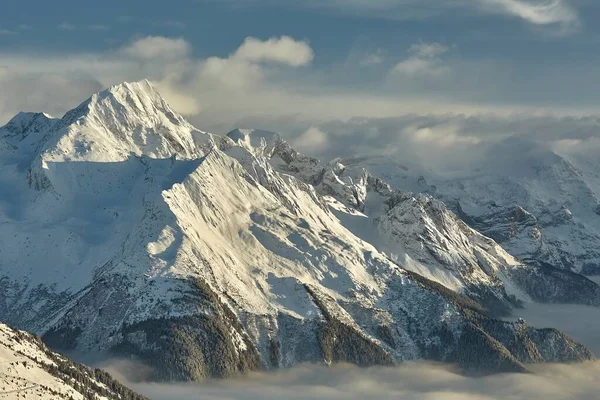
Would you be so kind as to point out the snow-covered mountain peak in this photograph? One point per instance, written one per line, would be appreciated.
(125, 119)
(127, 104)
(253, 137)
(23, 120)
(24, 124)
(259, 142)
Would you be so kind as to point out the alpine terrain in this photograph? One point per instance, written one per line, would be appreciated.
(29, 370)
(541, 204)
(127, 232)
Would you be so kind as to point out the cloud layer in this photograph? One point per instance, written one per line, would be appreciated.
(275, 78)
(215, 84)
(561, 13)
(410, 381)
(446, 144)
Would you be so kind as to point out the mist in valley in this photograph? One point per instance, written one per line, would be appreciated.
(412, 380)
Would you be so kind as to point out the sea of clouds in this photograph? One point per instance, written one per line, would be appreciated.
(406, 382)
(412, 380)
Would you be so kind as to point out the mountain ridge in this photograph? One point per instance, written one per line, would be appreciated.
(178, 246)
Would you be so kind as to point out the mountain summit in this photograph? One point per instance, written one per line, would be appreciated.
(131, 233)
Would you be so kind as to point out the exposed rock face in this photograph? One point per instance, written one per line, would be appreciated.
(28, 369)
(135, 234)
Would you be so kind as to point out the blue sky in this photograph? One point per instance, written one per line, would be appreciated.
(309, 60)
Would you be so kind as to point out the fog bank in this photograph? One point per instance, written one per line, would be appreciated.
(412, 380)
(582, 323)
(407, 382)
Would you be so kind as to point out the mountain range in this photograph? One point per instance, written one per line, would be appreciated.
(128, 232)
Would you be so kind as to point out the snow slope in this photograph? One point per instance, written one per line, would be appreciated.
(29, 370)
(420, 232)
(541, 205)
(129, 232)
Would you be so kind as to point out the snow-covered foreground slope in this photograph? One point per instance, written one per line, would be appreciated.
(128, 232)
(29, 370)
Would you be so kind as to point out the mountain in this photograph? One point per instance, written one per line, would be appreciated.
(420, 233)
(29, 369)
(539, 204)
(129, 233)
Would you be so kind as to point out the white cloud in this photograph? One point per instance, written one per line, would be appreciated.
(409, 381)
(157, 47)
(539, 12)
(441, 136)
(424, 60)
(369, 59)
(313, 138)
(427, 50)
(213, 88)
(230, 73)
(283, 50)
(223, 93)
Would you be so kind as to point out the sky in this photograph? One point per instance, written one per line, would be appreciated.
(297, 66)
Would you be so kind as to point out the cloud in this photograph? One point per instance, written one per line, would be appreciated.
(410, 381)
(66, 26)
(7, 32)
(582, 323)
(444, 144)
(537, 12)
(157, 47)
(218, 86)
(283, 50)
(311, 139)
(260, 84)
(424, 60)
(229, 73)
(370, 59)
(427, 50)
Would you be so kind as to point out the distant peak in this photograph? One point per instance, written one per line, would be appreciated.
(24, 123)
(253, 137)
(24, 118)
(257, 141)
